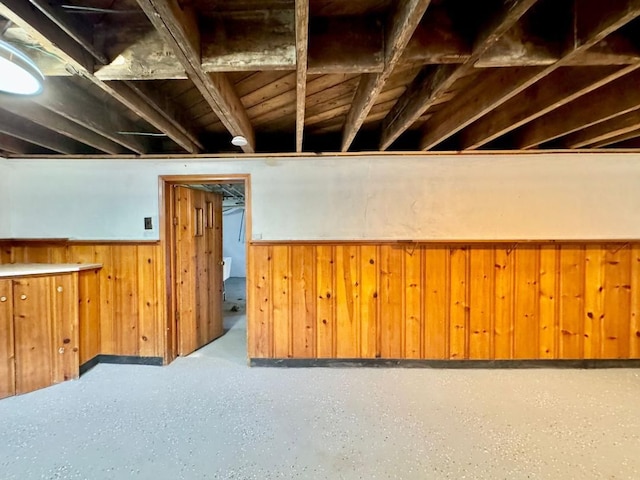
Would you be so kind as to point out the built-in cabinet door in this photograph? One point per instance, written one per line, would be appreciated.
(65, 364)
(7, 368)
(198, 258)
(33, 346)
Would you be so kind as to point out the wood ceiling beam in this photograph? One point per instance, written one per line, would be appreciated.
(78, 106)
(594, 24)
(557, 89)
(46, 118)
(631, 140)
(606, 133)
(433, 82)
(601, 105)
(72, 26)
(166, 108)
(328, 37)
(517, 48)
(30, 132)
(45, 32)
(145, 109)
(20, 147)
(402, 24)
(60, 44)
(302, 45)
(263, 47)
(264, 40)
(178, 27)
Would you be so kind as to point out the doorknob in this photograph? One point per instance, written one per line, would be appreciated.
(3, 299)
(23, 297)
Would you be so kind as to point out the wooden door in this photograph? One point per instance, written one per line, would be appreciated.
(7, 367)
(33, 346)
(198, 267)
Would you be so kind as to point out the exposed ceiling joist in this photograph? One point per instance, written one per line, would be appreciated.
(620, 141)
(258, 44)
(302, 45)
(62, 125)
(13, 145)
(607, 133)
(60, 44)
(33, 133)
(399, 31)
(72, 26)
(179, 28)
(592, 27)
(601, 105)
(458, 74)
(78, 106)
(432, 83)
(558, 88)
(48, 34)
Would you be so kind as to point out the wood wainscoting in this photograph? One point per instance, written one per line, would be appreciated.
(128, 313)
(383, 300)
(429, 301)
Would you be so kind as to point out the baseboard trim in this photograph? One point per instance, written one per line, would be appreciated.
(441, 364)
(120, 360)
(88, 365)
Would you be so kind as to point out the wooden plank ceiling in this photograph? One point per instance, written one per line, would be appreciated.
(166, 77)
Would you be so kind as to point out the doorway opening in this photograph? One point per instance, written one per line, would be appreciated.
(206, 263)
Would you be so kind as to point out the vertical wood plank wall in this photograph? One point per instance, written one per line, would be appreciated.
(131, 297)
(384, 300)
(408, 301)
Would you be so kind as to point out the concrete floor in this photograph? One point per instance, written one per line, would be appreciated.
(210, 416)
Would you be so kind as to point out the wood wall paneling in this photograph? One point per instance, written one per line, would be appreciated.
(303, 304)
(436, 299)
(259, 325)
(386, 300)
(369, 301)
(325, 302)
(281, 301)
(347, 301)
(411, 301)
(634, 327)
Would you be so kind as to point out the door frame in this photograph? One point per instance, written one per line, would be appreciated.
(168, 241)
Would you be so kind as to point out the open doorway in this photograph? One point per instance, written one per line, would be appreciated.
(205, 231)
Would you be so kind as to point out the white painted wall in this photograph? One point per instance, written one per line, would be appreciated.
(233, 239)
(532, 196)
(5, 199)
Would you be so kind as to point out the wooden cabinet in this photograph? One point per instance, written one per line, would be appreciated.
(38, 332)
(7, 366)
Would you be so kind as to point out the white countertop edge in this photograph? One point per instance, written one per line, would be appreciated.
(30, 269)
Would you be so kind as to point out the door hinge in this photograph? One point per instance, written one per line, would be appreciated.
(175, 220)
(177, 316)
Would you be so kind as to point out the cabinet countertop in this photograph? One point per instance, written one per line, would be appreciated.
(31, 269)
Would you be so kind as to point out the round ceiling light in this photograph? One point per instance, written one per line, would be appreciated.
(18, 74)
(239, 141)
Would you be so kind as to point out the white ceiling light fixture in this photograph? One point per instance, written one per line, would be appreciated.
(18, 74)
(239, 141)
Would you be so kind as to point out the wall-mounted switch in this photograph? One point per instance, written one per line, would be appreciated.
(148, 225)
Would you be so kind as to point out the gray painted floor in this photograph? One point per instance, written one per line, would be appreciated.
(210, 416)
